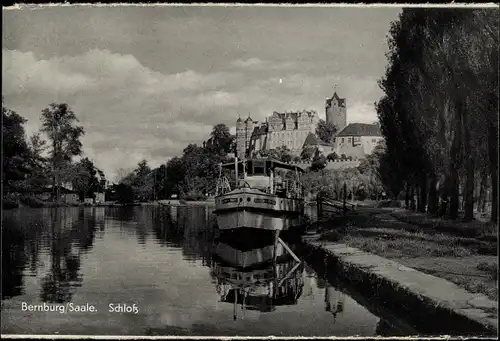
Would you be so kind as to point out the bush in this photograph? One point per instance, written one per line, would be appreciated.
(9, 202)
(194, 196)
(32, 201)
(389, 203)
(332, 156)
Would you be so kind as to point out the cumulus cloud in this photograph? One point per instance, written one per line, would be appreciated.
(247, 62)
(131, 112)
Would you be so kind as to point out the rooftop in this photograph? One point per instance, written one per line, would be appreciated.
(313, 140)
(360, 129)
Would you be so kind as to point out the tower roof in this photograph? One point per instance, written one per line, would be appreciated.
(249, 119)
(340, 101)
(239, 120)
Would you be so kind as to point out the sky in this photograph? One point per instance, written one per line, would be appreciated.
(145, 81)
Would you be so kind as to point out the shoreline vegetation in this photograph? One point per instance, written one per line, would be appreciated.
(464, 253)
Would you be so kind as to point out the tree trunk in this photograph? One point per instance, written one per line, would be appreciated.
(423, 194)
(482, 191)
(493, 156)
(417, 194)
(407, 196)
(412, 197)
(455, 161)
(469, 190)
(433, 197)
(454, 194)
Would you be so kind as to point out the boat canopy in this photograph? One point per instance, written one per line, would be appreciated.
(265, 164)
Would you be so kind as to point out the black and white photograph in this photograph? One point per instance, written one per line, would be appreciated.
(249, 170)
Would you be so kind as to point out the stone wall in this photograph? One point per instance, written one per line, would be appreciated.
(337, 164)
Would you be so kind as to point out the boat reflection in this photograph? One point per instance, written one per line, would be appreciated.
(259, 278)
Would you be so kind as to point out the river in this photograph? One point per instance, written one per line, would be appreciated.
(158, 263)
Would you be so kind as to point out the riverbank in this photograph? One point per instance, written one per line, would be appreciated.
(469, 262)
(438, 250)
(112, 204)
(432, 303)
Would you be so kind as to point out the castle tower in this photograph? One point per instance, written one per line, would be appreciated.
(336, 111)
(248, 134)
(240, 138)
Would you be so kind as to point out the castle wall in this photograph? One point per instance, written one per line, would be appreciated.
(337, 164)
(356, 146)
(284, 129)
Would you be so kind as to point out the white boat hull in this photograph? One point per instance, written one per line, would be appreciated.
(250, 208)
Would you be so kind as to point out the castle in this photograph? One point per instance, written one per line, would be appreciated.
(289, 129)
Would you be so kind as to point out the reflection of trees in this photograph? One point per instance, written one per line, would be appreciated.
(13, 258)
(186, 226)
(65, 232)
(72, 232)
(21, 245)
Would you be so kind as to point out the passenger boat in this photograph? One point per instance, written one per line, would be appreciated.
(264, 194)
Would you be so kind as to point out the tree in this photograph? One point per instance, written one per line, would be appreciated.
(325, 131)
(15, 155)
(440, 130)
(307, 153)
(284, 154)
(61, 126)
(332, 156)
(85, 180)
(318, 161)
(222, 140)
(38, 177)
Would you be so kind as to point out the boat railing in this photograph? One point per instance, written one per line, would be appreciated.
(288, 188)
(223, 186)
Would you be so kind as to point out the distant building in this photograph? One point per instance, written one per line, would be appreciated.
(314, 143)
(357, 139)
(99, 197)
(296, 131)
(68, 195)
(289, 129)
(336, 111)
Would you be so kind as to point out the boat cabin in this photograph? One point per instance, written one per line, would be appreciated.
(267, 175)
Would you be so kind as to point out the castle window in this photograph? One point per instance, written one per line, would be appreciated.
(342, 140)
(374, 140)
(334, 140)
(296, 125)
(348, 139)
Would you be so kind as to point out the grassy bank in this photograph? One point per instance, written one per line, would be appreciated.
(466, 259)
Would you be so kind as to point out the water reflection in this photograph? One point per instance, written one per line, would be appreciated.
(256, 279)
(167, 260)
(64, 235)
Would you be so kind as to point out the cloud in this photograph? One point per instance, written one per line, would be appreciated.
(131, 112)
(247, 62)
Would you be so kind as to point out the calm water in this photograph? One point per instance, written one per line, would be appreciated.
(160, 259)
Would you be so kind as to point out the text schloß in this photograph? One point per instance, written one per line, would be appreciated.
(123, 308)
